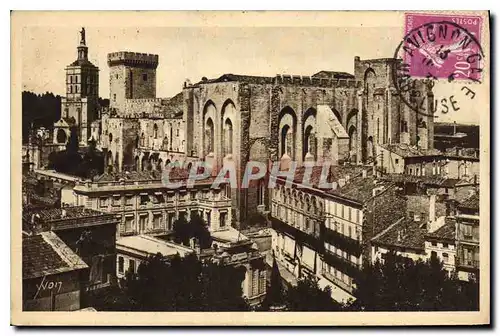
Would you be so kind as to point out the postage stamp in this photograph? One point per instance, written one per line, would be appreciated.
(436, 50)
(443, 46)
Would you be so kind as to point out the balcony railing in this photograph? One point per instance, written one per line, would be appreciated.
(345, 243)
(468, 263)
(330, 277)
(299, 236)
(343, 265)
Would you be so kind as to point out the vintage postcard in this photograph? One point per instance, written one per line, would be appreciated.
(250, 168)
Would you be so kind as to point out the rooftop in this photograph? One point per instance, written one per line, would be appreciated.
(472, 202)
(335, 173)
(151, 246)
(173, 107)
(46, 254)
(360, 189)
(175, 174)
(333, 74)
(404, 233)
(460, 152)
(445, 232)
(127, 176)
(64, 218)
(67, 213)
(83, 63)
(229, 235)
(239, 78)
(434, 180)
(408, 151)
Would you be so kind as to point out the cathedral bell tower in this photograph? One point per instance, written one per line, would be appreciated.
(79, 107)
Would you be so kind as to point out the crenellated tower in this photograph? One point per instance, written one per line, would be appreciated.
(131, 76)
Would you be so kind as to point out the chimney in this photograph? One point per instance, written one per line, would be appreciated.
(432, 208)
(63, 213)
(454, 127)
(365, 173)
(341, 182)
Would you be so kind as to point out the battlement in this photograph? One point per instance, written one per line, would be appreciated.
(133, 59)
(145, 101)
(315, 81)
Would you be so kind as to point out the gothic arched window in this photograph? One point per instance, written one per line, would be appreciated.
(155, 131)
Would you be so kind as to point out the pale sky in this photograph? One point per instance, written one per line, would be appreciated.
(196, 52)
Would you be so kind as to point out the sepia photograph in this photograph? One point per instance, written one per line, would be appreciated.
(325, 168)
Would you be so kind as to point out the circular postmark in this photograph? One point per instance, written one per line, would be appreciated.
(438, 50)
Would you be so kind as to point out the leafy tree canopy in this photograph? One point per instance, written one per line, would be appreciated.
(401, 284)
(308, 296)
(196, 228)
(181, 284)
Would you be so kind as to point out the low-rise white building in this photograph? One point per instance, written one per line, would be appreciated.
(133, 250)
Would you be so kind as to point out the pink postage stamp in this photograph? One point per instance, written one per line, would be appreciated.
(442, 46)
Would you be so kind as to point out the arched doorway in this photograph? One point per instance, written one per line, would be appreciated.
(61, 136)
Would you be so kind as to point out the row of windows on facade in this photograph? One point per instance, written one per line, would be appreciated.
(144, 77)
(338, 275)
(445, 257)
(468, 232)
(436, 169)
(145, 223)
(85, 89)
(159, 221)
(345, 212)
(146, 199)
(346, 229)
(468, 256)
(297, 200)
(352, 259)
(75, 79)
(156, 136)
(295, 219)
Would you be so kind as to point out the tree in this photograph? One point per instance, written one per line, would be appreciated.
(307, 296)
(183, 284)
(39, 110)
(72, 144)
(196, 228)
(83, 163)
(401, 284)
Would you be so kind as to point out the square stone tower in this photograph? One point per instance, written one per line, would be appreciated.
(131, 76)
